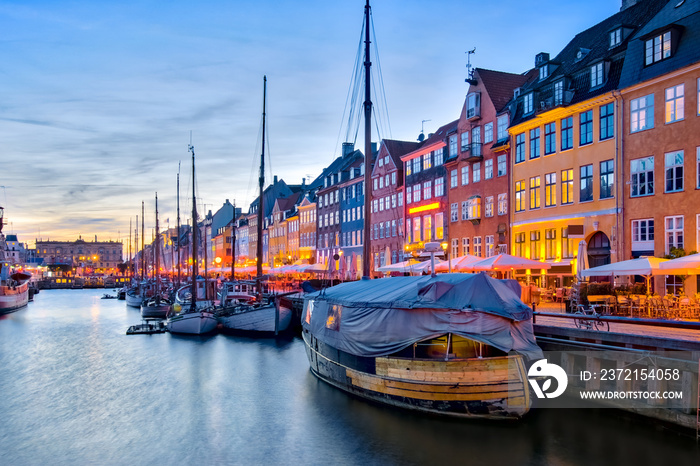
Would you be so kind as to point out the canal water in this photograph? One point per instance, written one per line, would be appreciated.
(75, 389)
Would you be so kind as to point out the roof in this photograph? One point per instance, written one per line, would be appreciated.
(499, 85)
(434, 138)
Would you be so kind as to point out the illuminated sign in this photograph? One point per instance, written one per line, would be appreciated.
(423, 208)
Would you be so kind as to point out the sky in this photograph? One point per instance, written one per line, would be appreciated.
(99, 100)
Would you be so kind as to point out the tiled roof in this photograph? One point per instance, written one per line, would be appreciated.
(499, 85)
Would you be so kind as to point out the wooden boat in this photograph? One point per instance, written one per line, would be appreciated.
(193, 319)
(453, 344)
(156, 307)
(14, 287)
(264, 315)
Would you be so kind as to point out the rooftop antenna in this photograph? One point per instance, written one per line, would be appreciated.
(470, 71)
(421, 136)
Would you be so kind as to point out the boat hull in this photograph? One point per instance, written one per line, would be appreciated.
(133, 300)
(260, 319)
(155, 311)
(487, 388)
(193, 323)
(13, 298)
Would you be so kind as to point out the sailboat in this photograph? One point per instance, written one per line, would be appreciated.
(14, 287)
(267, 314)
(194, 319)
(157, 306)
(137, 293)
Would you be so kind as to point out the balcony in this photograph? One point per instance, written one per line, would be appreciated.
(473, 152)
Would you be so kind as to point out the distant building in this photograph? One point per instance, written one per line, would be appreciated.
(96, 256)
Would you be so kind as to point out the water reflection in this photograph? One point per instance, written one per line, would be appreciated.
(77, 390)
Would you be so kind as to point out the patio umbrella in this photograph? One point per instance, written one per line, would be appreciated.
(645, 266)
(458, 264)
(353, 267)
(582, 263)
(506, 263)
(405, 266)
(686, 265)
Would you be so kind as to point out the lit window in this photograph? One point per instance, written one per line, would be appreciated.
(474, 210)
(675, 106)
(535, 192)
(439, 227)
(488, 209)
(520, 196)
(408, 168)
(427, 161)
(567, 186)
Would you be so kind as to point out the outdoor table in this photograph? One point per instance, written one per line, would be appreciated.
(601, 301)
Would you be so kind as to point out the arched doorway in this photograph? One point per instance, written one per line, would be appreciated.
(598, 250)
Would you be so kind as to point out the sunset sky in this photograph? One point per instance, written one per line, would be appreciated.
(98, 99)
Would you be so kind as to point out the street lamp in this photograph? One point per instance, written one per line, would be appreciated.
(447, 255)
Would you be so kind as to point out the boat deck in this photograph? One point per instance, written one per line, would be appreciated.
(147, 329)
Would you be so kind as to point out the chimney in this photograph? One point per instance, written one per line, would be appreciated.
(542, 58)
(628, 3)
(275, 180)
(348, 148)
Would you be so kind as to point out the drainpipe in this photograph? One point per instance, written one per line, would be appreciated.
(619, 161)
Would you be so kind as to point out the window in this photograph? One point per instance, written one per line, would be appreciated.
(520, 196)
(567, 133)
(476, 140)
(416, 193)
(607, 121)
(567, 186)
(697, 167)
(416, 230)
(643, 235)
(381, 181)
(642, 172)
(550, 247)
(393, 179)
(416, 164)
(520, 148)
(427, 228)
(381, 204)
(381, 161)
(408, 195)
(453, 179)
(502, 166)
(488, 131)
(454, 214)
(674, 233)
(607, 179)
(698, 99)
(455, 248)
(488, 209)
(642, 113)
(550, 138)
(597, 75)
(465, 175)
(465, 210)
(527, 103)
(439, 187)
(439, 227)
(519, 244)
(502, 127)
(586, 128)
(544, 72)
(477, 246)
(465, 246)
(476, 172)
(465, 140)
(427, 190)
(675, 106)
(567, 244)
(474, 209)
(473, 101)
(657, 48)
(408, 168)
(438, 157)
(586, 184)
(615, 37)
(453, 144)
(535, 192)
(489, 246)
(534, 143)
(550, 189)
(381, 230)
(502, 204)
(534, 245)
(488, 169)
(674, 171)
(427, 161)
(558, 92)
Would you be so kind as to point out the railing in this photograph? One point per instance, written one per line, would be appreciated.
(624, 320)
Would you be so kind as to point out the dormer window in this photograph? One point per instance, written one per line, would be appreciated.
(597, 75)
(558, 92)
(615, 37)
(473, 105)
(527, 103)
(544, 72)
(657, 48)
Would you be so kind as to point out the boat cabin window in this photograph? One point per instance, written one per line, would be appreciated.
(333, 320)
(448, 347)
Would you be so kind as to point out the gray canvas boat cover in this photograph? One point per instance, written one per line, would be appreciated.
(379, 317)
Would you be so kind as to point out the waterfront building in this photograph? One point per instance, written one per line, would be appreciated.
(387, 203)
(90, 257)
(660, 128)
(565, 157)
(241, 249)
(352, 202)
(478, 172)
(15, 252)
(425, 205)
(283, 210)
(307, 228)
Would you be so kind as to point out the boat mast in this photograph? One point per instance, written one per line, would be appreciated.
(368, 151)
(130, 262)
(193, 304)
(143, 243)
(261, 204)
(136, 247)
(178, 224)
(233, 242)
(157, 271)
